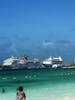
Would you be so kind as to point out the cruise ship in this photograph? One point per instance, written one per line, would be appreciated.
(23, 62)
(10, 61)
(47, 62)
(53, 62)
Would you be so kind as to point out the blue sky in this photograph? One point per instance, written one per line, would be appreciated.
(38, 28)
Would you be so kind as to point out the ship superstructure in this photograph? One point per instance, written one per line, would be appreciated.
(10, 61)
(53, 62)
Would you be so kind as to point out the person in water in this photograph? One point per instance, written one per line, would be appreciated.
(20, 94)
(3, 90)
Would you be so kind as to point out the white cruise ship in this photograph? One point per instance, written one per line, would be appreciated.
(14, 63)
(57, 59)
(47, 62)
(10, 61)
(53, 62)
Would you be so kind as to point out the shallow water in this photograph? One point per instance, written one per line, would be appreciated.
(39, 84)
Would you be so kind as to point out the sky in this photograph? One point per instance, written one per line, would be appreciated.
(37, 28)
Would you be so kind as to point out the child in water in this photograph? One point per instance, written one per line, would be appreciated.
(20, 94)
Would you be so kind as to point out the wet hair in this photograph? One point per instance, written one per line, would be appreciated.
(20, 88)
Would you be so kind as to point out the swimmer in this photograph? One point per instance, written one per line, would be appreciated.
(3, 90)
(20, 94)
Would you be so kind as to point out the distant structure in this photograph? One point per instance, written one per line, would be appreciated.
(24, 57)
(48, 62)
(74, 62)
(23, 62)
(53, 62)
(10, 61)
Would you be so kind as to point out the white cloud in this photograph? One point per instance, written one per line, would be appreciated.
(13, 47)
(48, 44)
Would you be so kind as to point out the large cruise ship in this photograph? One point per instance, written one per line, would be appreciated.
(10, 61)
(53, 62)
(48, 62)
(23, 62)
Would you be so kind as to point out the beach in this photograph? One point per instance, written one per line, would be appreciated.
(47, 84)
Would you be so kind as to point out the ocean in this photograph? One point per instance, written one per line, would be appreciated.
(39, 84)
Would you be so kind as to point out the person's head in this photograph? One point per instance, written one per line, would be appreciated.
(3, 90)
(20, 88)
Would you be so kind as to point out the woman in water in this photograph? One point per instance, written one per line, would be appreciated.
(20, 94)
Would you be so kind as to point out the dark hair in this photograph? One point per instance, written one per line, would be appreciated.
(20, 88)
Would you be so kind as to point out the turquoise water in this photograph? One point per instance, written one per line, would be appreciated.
(41, 84)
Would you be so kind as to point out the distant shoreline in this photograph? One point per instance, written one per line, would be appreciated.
(18, 69)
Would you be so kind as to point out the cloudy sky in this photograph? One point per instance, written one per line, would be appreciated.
(38, 28)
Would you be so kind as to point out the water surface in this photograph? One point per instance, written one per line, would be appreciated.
(40, 84)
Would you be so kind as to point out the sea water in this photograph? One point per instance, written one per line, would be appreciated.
(42, 84)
